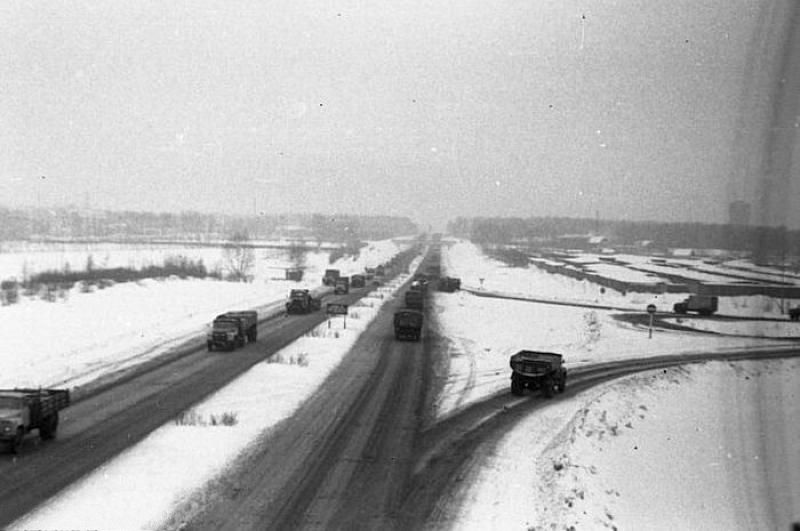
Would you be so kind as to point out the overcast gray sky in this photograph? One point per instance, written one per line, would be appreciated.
(429, 109)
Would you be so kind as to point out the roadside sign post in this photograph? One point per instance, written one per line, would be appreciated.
(651, 309)
(336, 309)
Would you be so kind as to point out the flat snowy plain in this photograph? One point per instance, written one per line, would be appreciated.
(567, 474)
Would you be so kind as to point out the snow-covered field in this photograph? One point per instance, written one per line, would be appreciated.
(680, 448)
(85, 335)
(482, 332)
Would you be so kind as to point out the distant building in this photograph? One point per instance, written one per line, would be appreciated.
(739, 213)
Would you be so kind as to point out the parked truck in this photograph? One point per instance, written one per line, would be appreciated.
(794, 313)
(330, 277)
(302, 301)
(702, 304)
(342, 286)
(232, 330)
(408, 324)
(538, 370)
(23, 410)
(358, 281)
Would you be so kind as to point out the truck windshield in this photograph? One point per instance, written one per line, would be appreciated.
(225, 325)
(10, 402)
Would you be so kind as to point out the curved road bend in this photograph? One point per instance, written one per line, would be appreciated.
(457, 445)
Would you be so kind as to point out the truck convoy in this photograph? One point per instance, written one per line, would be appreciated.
(408, 324)
(330, 277)
(702, 304)
(301, 301)
(23, 410)
(232, 330)
(538, 370)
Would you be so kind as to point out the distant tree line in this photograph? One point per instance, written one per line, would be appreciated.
(763, 242)
(70, 223)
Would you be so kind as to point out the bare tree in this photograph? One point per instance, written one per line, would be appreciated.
(239, 258)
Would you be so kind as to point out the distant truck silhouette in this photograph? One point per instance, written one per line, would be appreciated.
(408, 324)
(301, 301)
(415, 299)
(330, 277)
(702, 304)
(342, 286)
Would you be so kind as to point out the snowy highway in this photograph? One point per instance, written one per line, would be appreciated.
(104, 424)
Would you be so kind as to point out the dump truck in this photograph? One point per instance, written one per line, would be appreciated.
(330, 277)
(342, 286)
(415, 299)
(302, 301)
(408, 324)
(232, 330)
(358, 281)
(23, 410)
(702, 304)
(538, 370)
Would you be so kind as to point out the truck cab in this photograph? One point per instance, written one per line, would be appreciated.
(537, 370)
(13, 412)
(23, 410)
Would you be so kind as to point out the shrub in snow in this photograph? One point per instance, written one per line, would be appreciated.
(592, 322)
(300, 359)
(192, 418)
(226, 419)
(10, 291)
(189, 418)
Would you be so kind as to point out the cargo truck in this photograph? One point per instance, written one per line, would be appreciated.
(23, 410)
(342, 286)
(301, 301)
(415, 299)
(408, 324)
(330, 277)
(702, 304)
(538, 370)
(232, 330)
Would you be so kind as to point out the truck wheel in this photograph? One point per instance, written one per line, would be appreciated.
(210, 346)
(549, 388)
(562, 385)
(49, 427)
(517, 389)
(19, 438)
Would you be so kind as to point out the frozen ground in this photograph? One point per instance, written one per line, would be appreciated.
(681, 448)
(482, 333)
